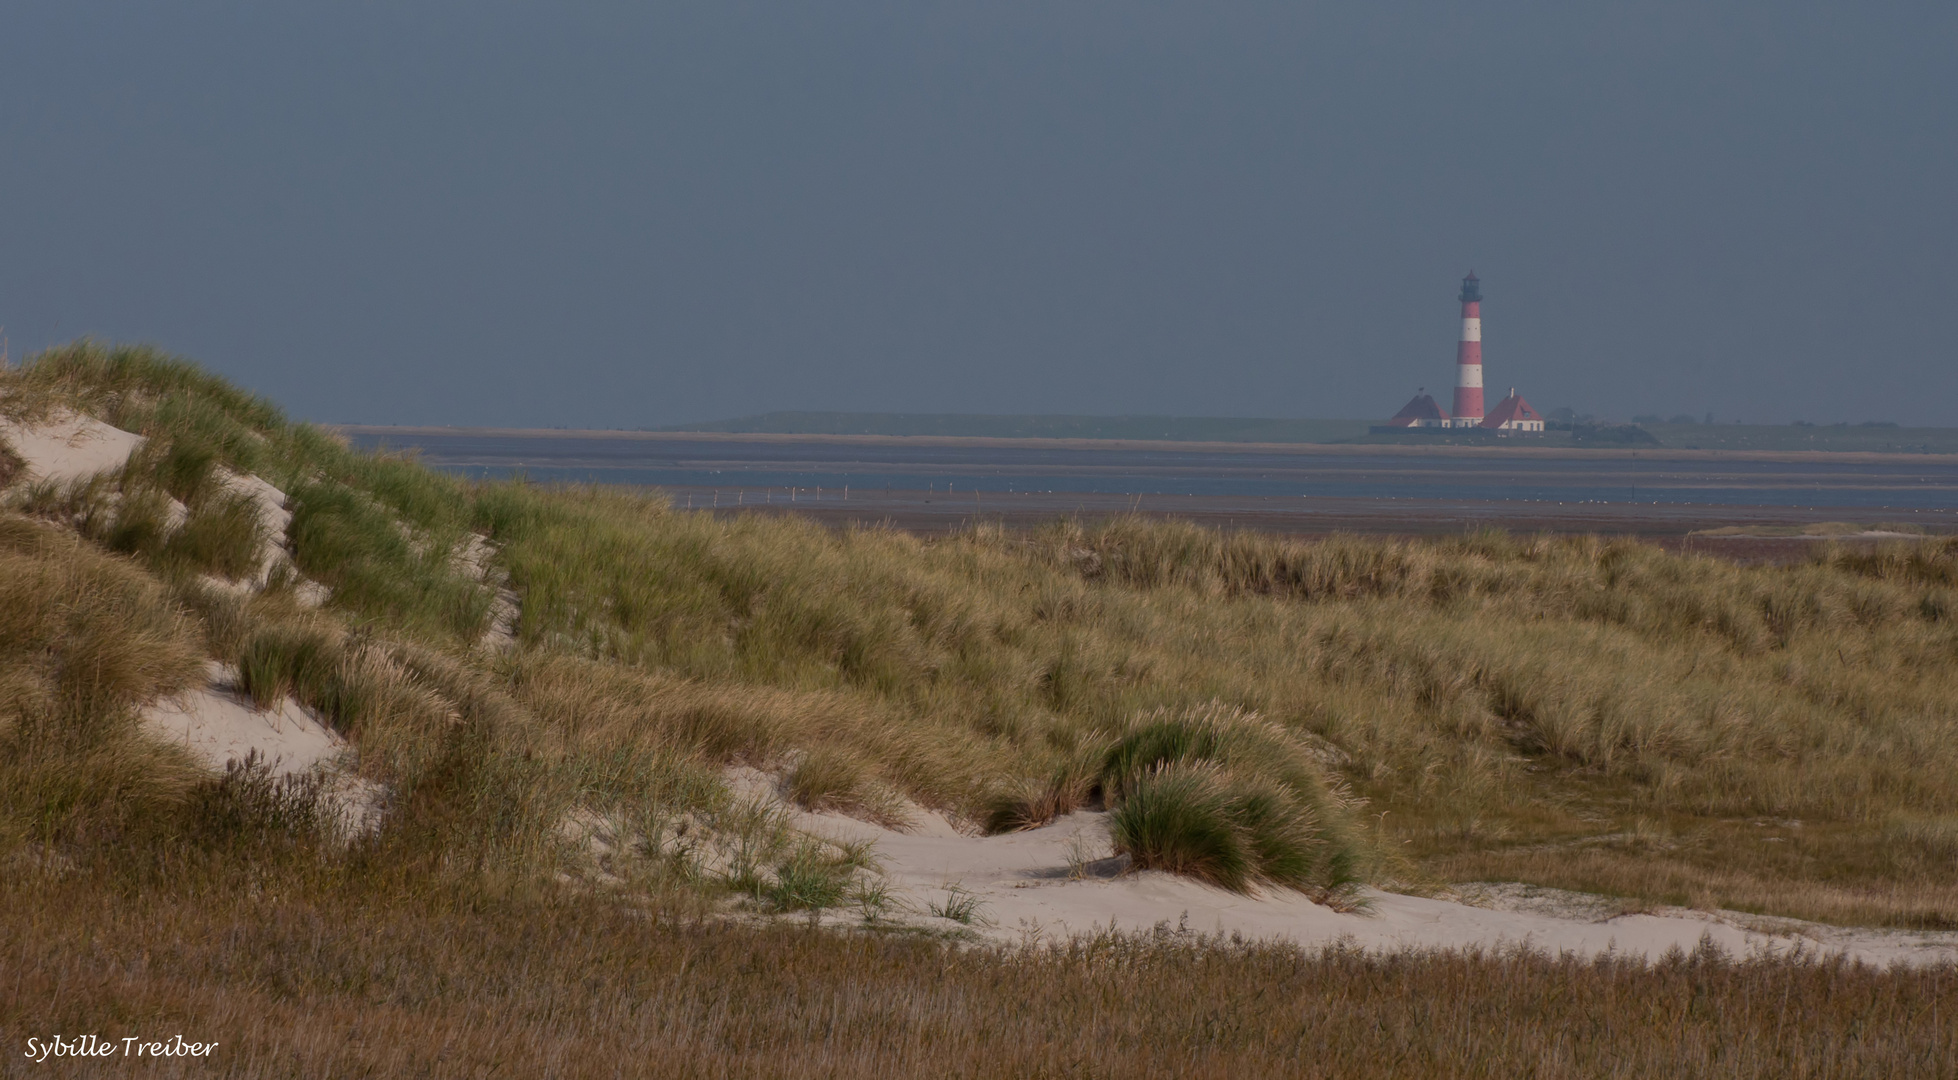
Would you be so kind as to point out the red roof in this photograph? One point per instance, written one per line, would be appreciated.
(1423, 407)
(1510, 408)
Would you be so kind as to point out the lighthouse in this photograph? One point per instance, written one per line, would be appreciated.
(1468, 356)
(1424, 415)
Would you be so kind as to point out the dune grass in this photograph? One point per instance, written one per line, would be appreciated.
(1211, 793)
(85, 639)
(1483, 693)
(381, 531)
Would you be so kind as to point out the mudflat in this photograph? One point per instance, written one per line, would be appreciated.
(942, 483)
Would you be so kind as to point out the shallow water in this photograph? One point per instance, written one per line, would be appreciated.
(1579, 477)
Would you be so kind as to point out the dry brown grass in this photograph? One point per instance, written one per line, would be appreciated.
(1898, 875)
(304, 978)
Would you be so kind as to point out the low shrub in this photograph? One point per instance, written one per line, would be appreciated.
(252, 808)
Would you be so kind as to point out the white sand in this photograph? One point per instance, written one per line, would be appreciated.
(272, 516)
(68, 447)
(476, 560)
(1024, 886)
(218, 725)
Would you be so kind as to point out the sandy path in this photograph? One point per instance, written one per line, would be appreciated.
(1024, 887)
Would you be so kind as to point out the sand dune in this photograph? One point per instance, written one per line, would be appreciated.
(1026, 888)
(215, 722)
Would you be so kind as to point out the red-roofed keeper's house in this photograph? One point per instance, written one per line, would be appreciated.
(1423, 411)
(1513, 414)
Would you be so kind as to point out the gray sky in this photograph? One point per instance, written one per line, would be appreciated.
(631, 214)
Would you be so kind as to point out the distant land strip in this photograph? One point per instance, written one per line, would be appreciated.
(382, 436)
(1867, 438)
(1127, 428)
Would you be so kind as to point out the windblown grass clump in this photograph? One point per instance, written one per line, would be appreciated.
(1212, 792)
(1219, 796)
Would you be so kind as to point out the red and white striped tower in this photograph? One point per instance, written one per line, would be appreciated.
(1468, 356)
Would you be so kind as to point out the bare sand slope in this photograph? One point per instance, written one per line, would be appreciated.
(217, 724)
(68, 447)
(273, 518)
(1026, 887)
